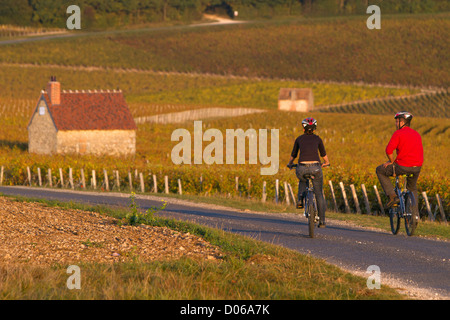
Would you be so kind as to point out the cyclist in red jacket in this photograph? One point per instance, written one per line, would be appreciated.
(408, 145)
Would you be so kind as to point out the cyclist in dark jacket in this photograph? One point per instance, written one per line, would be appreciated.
(310, 146)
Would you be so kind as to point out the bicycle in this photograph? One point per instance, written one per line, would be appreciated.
(404, 209)
(311, 213)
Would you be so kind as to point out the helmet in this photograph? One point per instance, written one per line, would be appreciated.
(406, 116)
(403, 115)
(309, 124)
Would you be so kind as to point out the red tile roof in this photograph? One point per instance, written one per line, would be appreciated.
(91, 111)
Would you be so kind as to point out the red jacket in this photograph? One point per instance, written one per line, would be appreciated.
(408, 144)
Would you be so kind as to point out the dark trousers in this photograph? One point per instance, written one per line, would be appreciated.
(317, 184)
(384, 175)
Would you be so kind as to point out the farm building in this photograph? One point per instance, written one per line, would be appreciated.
(293, 99)
(81, 122)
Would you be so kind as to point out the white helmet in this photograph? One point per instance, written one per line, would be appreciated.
(403, 114)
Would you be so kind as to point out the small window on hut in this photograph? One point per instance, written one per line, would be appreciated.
(41, 111)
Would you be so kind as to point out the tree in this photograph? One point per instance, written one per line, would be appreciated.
(17, 12)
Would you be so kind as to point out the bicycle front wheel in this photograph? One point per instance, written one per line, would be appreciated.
(311, 214)
(411, 219)
(394, 218)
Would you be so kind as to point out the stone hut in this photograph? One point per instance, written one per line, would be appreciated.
(81, 122)
(294, 99)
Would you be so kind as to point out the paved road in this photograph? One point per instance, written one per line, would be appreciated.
(409, 261)
(81, 33)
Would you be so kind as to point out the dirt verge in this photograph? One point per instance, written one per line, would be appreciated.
(39, 235)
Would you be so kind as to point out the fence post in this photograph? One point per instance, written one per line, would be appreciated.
(1, 176)
(83, 179)
(155, 186)
(61, 177)
(166, 184)
(333, 196)
(94, 180)
(237, 184)
(286, 191)
(118, 180)
(366, 199)
(427, 204)
(71, 179)
(355, 199)
(130, 181)
(379, 200)
(294, 200)
(49, 177)
(441, 208)
(180, 191)
(141, 178)
(264, 194)
(105, 174)
(29, 175)
(344, 195)
(276, 190)
(39, 177)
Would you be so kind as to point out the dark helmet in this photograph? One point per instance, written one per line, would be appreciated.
(309, 124)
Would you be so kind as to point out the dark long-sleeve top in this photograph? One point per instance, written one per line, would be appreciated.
(309, 145)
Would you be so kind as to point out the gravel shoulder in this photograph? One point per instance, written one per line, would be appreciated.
(35, 234)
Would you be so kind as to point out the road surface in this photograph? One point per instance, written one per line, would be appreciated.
(216, 21)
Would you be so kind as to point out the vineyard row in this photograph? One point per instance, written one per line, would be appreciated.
(426, 105)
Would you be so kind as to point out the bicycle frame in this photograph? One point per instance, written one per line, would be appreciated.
(402, 210)
(311, 212)
(309, 194)
(400, 194)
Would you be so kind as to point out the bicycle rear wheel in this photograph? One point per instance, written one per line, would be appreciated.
(394, 218)
(311, 214)
(411, 219)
